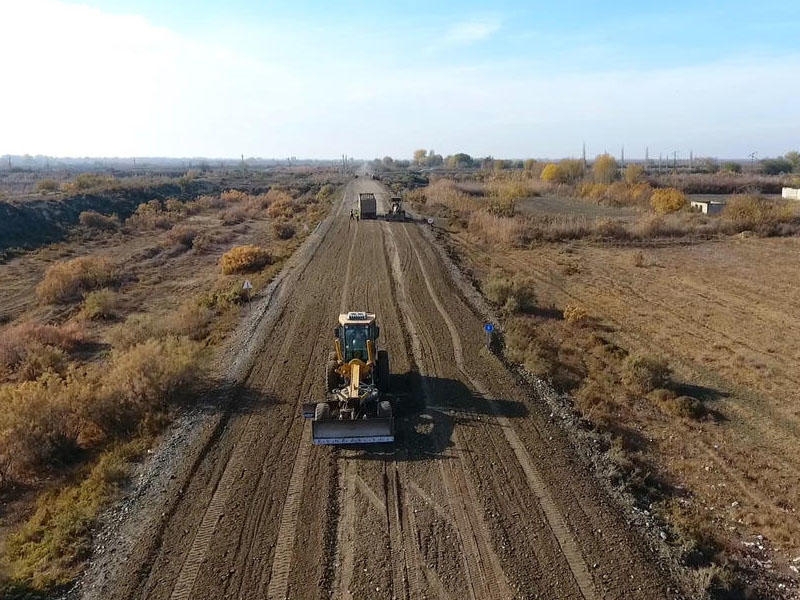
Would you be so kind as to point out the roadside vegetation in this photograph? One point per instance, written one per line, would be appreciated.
(580, 262)
(101, 357)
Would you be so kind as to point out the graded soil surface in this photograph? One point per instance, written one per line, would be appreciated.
(481, 496)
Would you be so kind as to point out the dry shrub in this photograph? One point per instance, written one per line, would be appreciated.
(206, 240)
(325, 192)
(207, 202)
(45, 186)
(646, 373)
(150, 215)
(134, 330)
(447, 193)
(243, 259)
(575, 314)
(183, 235)
(192, 319)
(29, 349)
(101, 305)
(283, 230)
(233, 196)
(686, 407)
(638, 259)
(749, 212)
(494, 229)
(140, 383)
(282, 205)
(668, 200)
(37, 427)
(96, 220)
(512, 295)
(66, 281)
(234, 216)
(617, 194)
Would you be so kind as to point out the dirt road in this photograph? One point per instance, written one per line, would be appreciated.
(480, 498)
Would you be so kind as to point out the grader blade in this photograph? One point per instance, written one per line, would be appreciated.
(356, 431)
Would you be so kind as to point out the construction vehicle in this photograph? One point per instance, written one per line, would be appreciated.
(356, 409)
(396, 212)
(367, 206)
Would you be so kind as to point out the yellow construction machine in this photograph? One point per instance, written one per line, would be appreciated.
(357, 409)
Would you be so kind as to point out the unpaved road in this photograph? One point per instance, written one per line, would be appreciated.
(480, 498)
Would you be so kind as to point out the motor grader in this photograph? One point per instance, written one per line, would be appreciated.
(396, 212)
(356, 409)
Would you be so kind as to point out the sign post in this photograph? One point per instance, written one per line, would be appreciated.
(247, 287)
(488, 328)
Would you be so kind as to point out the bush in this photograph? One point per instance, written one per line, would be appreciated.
(37, 428)
(151, 215)
(731, 167)
(29, 349)
(66, 281)
(633, 173)
(281, 206)
(668, 200)
(45, 186)
(233, 196)
(100, 305)
(514, 296)
(575, 315)
(96, 220)
(755, 213)
(283, 230)
(182, 235)
(645, 374)
(234, 216)
(243, 259)
(552, 173)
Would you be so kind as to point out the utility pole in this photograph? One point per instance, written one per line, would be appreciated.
(622, 157)
(691, 159)
(583, 154)
(646, 156)
(752, 160)
(674, 161)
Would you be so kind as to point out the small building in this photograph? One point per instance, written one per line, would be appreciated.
(708, 207)
(790, 193)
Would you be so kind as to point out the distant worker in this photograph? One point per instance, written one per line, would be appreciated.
(352, 216)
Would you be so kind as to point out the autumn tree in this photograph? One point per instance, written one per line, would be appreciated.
(420, 156)
(633, 173)
(604, 169)
(553, 173)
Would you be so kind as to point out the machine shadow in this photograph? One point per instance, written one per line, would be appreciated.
(427, 409)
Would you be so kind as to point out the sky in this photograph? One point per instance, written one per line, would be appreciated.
(510, 79)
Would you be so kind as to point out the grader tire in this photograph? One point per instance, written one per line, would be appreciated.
(383, 371)
(331, 377)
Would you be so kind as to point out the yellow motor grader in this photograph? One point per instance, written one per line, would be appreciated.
(356, 409)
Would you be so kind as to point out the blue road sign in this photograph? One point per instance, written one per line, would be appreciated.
(488, 328)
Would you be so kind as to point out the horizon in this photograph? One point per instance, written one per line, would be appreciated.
(124, 79)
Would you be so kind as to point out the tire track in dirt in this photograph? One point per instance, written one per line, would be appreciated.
(485, 577)
(204, 534)
(566, 540)
(282, 561)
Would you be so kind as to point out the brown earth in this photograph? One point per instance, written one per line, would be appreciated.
(482, 497)
(724, 316)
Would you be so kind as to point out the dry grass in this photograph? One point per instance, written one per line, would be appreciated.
(183, 235)
(95, 220)
(244, 259)
(67, 281)
(512, 295)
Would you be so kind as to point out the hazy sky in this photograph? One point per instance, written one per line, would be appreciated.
(319, 79)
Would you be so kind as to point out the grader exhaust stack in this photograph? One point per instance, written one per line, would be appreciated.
(356, 409)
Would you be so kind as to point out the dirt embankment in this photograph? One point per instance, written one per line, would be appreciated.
(34, 223)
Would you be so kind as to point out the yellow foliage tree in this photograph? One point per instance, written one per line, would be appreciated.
(633, 173)
(604, 169)
(553, 173)
(668, 200)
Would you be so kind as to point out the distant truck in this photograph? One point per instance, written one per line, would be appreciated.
(367, 207)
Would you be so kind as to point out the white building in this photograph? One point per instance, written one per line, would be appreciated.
(791, 193)
(708, 207)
